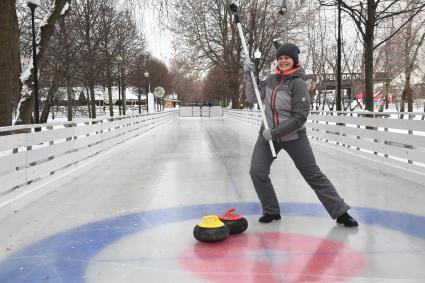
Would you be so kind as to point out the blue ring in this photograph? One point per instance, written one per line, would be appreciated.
(64, 257)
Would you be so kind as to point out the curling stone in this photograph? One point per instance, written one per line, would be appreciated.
(210, 230)
(235, 222)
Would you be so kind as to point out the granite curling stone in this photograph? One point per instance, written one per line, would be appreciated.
(210, 230)
(235, 222)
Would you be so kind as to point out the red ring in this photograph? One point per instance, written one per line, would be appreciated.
(273, 257)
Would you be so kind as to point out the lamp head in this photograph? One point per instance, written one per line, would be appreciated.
(257, 54)
(233, 7)
(32, 4)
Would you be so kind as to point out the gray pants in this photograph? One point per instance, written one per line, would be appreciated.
(300, 152)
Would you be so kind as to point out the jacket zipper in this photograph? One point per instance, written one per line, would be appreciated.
(274, 93)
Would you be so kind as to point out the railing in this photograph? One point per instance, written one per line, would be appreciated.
(201, 111)
(380, 139)
(249, 116)
(30, 153)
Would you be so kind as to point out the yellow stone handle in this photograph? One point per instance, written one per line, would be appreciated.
(210, 221)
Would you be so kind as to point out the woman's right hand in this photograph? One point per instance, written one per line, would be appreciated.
(248, 66)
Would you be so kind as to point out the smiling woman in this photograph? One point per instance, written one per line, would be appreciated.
(287, 106)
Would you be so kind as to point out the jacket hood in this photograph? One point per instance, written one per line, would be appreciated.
(293, 73)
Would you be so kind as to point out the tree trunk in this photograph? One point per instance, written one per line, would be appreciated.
(409, 99)
(69, 102)
(111, 105)
(9, 43)
(368, 71)
(139, 99)
(409, 70)
(234, 83)
(88, 101)
(109, 86)
(92, 100)
(67, 59)
(50, 100)
(25, 105)
(123, 87)
(385, 92)
(368, 55)
(407, 94)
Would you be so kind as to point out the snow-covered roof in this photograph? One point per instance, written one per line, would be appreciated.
(100, 93)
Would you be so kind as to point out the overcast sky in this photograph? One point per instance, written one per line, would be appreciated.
(158, 38)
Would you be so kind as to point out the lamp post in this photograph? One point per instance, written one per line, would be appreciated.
(33, 4)
(338, 65)
(119, 59)
(257, 57)
(149, 90)
(284, 12)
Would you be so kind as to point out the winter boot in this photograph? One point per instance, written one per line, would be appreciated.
(347, 220)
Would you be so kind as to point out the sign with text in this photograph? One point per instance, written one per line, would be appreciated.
(344, 77)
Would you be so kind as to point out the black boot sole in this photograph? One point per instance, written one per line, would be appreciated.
(269, 218)
(349, 225)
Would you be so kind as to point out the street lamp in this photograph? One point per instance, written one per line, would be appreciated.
(338, 62)
(119, 59)
(147, 77)
(33, 4)
(257, 57)
(149, 90)
(284, 12)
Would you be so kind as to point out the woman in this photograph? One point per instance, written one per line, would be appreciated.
(287, 105)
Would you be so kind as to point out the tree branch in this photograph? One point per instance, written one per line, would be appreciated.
(43, 39)
(398, 29)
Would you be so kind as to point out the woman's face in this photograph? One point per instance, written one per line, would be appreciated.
(285, 63)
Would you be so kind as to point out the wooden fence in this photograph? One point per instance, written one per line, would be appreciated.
(201, 111)
(30, 153)
(381, 140)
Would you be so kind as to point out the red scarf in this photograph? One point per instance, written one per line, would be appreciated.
(286, 73)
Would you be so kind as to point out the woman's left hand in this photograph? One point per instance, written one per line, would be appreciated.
(267, 134)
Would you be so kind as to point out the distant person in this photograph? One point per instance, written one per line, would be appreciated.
(287, 105)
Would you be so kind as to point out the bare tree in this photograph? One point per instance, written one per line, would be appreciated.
(137, 78)
(208, 38)
(88, 14)
(130, 44)
(159, 75)
(66, 43)
(414, 40)
(109, 48)
(83, 32)
(25, 105)
(317, 29)
(214, 89)
(184, 83)
(367, 16)
(390, 60)
(9, 60)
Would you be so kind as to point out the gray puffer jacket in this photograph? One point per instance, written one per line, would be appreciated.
(286, 103)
